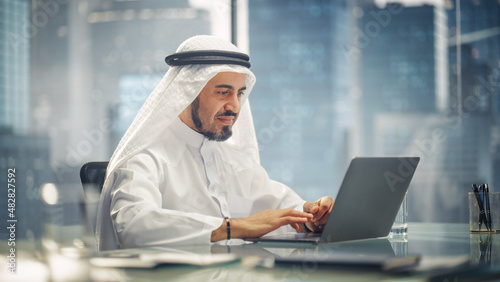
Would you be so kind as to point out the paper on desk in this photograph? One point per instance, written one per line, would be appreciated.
(433, 263)
(150, 260)
(192, 259)
(381, 262)
(131, 262)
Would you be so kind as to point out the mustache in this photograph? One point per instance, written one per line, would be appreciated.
(227, 113)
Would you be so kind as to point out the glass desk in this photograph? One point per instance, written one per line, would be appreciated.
(449, 252)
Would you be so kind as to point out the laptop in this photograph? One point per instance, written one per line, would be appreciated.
(367, 202)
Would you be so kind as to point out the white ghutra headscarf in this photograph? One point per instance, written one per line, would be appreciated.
(177, 89)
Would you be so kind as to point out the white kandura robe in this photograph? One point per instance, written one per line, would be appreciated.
(179, 189)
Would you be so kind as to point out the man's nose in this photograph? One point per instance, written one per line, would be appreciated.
(233, 103)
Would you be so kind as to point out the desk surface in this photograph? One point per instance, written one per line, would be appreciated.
(435, 243)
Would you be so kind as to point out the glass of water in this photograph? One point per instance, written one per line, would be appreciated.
(400, 225)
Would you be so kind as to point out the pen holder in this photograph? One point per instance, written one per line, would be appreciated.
(480, 221)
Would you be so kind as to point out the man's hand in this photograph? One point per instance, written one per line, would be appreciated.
(261, 223)
(320, 210)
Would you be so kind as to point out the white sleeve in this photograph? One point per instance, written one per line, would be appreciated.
(270, 194)
(137, 214)
(290, 198)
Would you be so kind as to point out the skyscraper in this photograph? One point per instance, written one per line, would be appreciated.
(454, 154)
(20, 151)
(84, 54)
(299, 102)
(405, 112)
(14, 65)
(126, 67)
(398, 66)
(476, 52)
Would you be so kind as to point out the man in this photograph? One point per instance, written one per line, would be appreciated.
(186, 173)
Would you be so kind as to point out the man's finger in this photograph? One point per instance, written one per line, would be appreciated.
(292, 220)
(325, 204)
(319, 218)
(310, 207)
(298, 213)
(322, 220)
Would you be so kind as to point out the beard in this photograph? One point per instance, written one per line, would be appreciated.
(211, 134)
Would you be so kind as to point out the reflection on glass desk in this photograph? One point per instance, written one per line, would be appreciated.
(448, 252)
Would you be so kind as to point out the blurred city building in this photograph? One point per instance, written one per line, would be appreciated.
(107, 56)
(21, 149)
(451, 153)
(475, 90)
(14, 66)
(402, 49)
(128, 65)
(28, 155)
(398, 65)
(300, 102)
(405, 108)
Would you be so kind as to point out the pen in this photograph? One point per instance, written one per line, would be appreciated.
(484, 196)
(487, 199)
(482, 216)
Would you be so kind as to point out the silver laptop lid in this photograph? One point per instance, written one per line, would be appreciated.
(369, 198)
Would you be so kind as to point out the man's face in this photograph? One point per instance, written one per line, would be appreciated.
(217, 107)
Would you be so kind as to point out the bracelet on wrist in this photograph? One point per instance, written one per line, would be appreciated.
(228, 228)
(307, 228)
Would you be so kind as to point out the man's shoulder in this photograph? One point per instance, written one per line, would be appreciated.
(166, 150)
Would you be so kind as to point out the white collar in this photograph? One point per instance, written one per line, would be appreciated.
(186, 133)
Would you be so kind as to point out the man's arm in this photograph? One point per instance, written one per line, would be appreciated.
(260, 223)
(137, 215)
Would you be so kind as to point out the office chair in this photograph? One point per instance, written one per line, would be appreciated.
(92, 175)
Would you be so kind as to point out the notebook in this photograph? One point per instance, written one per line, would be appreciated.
(367, 203)
(370, 254)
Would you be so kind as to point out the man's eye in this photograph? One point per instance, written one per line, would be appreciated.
(223, 92)
(241, 93)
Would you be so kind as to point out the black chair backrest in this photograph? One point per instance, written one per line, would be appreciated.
(93, 173)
